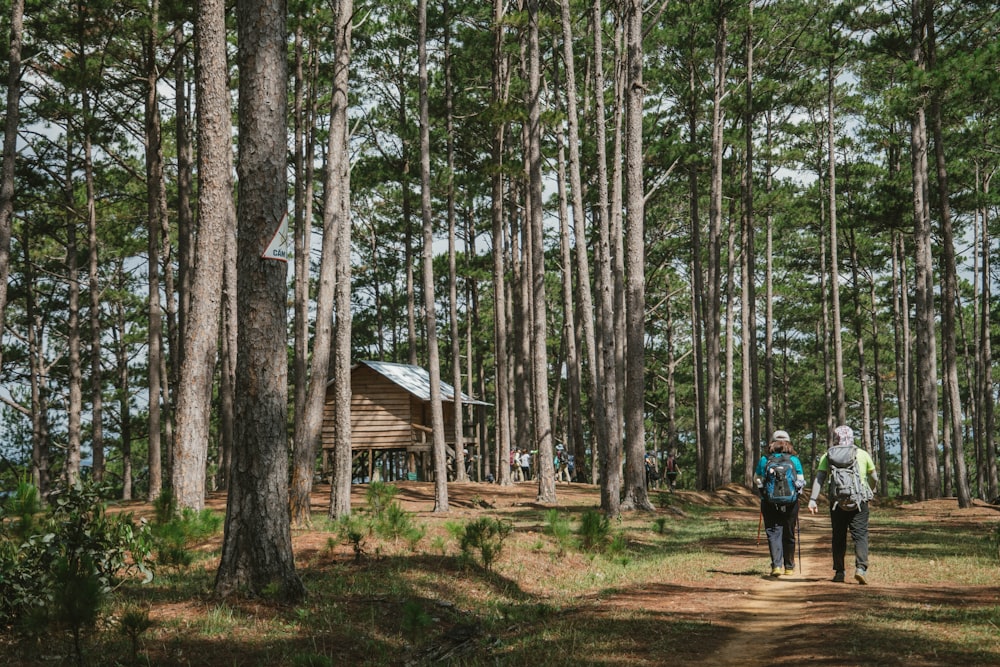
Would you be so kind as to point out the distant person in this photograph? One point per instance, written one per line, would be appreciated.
(526, 466)
(652, 471)
(853, 480)
(779, 479)
(515, 465)
(672, 471)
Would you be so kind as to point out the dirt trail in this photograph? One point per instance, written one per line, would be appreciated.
(783, 621)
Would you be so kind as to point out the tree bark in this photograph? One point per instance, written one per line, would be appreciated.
(901, 334)
(216, 212)
(257, 547)
(606, 415)
(340, 491)
(458, 433)
(925, 428)
(949, 290)
(75, 389)
(433, 357)
(498, 97)
(713, 283)
(840, 400)
(539, 351)
(155, 209)
(11, 122)
(635, 275)
(583, 280)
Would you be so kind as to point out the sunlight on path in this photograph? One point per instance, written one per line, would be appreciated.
(781, 621)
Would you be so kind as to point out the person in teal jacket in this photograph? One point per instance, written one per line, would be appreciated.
(780, 520)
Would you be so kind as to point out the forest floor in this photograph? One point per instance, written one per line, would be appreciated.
(711, 603)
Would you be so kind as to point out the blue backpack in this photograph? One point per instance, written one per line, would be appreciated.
(779, 481)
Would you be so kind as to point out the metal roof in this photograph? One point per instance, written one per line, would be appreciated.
(417, 381)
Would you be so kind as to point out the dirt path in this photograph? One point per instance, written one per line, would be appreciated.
(786, 620)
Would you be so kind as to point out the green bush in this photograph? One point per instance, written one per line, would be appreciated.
(379, 496)
(485, 535)
(594, 530)
(71, 559)
(172, 537)
(353, 530)
(558, 527)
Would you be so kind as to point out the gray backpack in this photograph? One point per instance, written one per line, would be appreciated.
(847, 489)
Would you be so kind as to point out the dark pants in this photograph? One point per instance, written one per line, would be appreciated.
(856, 521)
(779, 524)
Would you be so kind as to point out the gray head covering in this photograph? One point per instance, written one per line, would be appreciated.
(845, 434)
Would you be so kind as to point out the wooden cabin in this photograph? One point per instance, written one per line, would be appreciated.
(390, 422)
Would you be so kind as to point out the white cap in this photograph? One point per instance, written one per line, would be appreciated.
(780, 435)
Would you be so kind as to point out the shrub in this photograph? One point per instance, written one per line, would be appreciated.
(379, 496)
(133, 622)
(174, 536)
(558, 527)
(594, 530)
(353, 530)
(72, 558)
(485, 535)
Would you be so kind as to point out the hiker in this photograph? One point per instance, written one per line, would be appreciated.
(515, 465)
(526, 465)
(853, 480)
(779, 480)
(652, 471)
(672, 471)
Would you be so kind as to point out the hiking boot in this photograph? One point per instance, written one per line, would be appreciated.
(789, 569)
(777, 571)
(838, 576)
(861, 576)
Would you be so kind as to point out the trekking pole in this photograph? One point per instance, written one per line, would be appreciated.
(798, 527)
(759, 524)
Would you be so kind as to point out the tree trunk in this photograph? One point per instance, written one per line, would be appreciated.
(155, 208)
(302, 467)
(713, 283)
(539, 351)
(840, 404)
(257, 546)
(498, 79)
(901, 335)
(606, 412)
(926, 347)
(227, 367)
(574, 411)
(185, 191)
(93, 284)
(986, 360)
(458, 433)
(949, 291)
(11, 122)
(75, 403)
(748, 310)
(583, 281)
(430, 319)
(340, 491)
(859, 339)
(635, 275)
(335, 225)
(216, 212)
